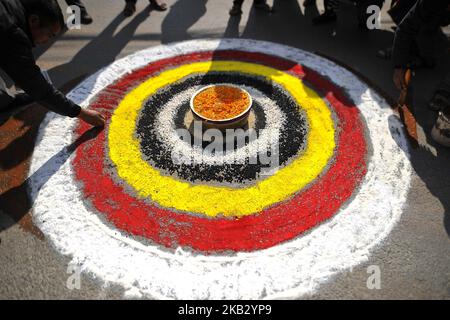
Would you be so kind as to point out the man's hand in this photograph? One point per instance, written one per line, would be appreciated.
(399, 78)
(92, 117)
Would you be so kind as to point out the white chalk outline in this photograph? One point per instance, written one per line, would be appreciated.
(288, 270)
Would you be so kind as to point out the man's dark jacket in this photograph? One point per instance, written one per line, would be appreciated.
(17, 60)
(425, 15)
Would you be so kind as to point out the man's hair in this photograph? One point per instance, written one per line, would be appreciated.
(48, 11)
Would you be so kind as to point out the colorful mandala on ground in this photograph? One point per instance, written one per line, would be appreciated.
(220, 226)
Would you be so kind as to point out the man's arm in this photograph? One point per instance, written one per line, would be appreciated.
(18, 62)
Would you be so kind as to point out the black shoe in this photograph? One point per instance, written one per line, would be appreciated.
(441, 130)
(440, 101)
(85, 17)
(326, 17)
(129, 10)
(158, 6)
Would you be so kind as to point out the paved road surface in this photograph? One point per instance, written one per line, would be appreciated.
(414, 260)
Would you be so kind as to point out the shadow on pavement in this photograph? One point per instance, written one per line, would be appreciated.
(181, 16)
(101, 50)
(434, 170)
(16, 202)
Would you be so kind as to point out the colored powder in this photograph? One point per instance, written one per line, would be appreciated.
(221, 102)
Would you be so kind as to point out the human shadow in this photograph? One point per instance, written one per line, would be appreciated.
(259, 23)
(433, 170)
(232, 30)
(342, 39)
(40, 50)
(285, 24)
(181, 16)
(19, 149)
(17, 201)
(101, 50)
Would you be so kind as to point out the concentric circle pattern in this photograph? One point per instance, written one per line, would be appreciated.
(272, 107)
(318, 180)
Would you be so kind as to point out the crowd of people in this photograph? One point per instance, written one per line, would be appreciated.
(26, 23)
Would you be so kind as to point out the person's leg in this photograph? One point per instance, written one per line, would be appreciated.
(330, 12)
(237, 8)
(85, 17)
(130, 8)
(426, 46)
(399, 9)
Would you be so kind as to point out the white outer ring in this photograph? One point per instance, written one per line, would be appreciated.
(288, 270)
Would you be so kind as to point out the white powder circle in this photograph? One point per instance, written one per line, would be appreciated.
(288, 270)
